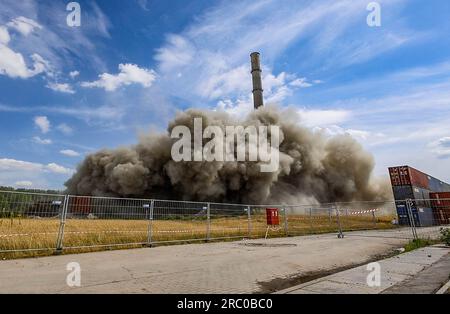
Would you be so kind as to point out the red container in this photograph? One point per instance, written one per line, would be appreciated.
(273, 218)
(405, 175)
(440, 202)
(80, 205)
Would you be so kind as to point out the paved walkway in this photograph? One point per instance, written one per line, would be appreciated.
(232, 267)
(419, 271)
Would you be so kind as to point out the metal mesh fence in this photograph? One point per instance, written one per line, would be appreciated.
(31, 222)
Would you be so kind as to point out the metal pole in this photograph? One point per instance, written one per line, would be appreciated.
(249, 217)
(150, 225)
(340, 235)
(310, 220)
(374, 219)
(286, 230)
(411, 219)
(208, 222)
(62, 224)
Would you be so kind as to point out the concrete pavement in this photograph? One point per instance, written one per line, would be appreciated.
(231, 267)
(420, 271)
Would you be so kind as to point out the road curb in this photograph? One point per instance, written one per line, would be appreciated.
(444, 288)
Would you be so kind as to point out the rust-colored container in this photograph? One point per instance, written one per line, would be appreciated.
(440, 202)
(273, 219)
(80, 205)
(405, 175)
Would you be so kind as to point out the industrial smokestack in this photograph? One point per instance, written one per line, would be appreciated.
(257, 82)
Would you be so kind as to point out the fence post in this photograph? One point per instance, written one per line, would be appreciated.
(208, 222)
(310, 221)
(62, 224)
(411, 219)
(249, 217)
(340, 235)
(374, 219)
(286, 230)
(150, 225)
(329, 216)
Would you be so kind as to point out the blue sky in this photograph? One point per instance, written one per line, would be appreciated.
(68, 91)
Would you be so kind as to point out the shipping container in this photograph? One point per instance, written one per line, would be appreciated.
(403, 215)
(402, 192)
(438, 185)
(80, 206)
(441, 207)
(405, 175)
(425, 217)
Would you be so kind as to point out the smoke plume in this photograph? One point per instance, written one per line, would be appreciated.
(314, 168)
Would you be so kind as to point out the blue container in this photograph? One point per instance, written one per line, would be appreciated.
(425, 216)
(438, 185)
(402, 214)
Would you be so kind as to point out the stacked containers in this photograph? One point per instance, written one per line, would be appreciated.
(409, 183)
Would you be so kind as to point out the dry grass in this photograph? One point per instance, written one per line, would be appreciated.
(82, 234)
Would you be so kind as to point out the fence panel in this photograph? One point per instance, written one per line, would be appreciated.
(29, 222)
(101, 221)
(429, 217)
(176, 221)
(311, 219)
(230, 221)
(366, 215)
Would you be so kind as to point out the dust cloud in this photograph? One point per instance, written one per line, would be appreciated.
(314, 168)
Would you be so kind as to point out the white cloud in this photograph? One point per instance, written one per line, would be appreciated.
(143, 4)
(69, 152)
(12, 164)
(25, 184)
(323, 117)
(233, 81)
(15, 172)
(301, 83)
(7, 164)
(24, 25)
(74, 74)
(43, 141)
(100, 114)
(129, 74)
(65, 129)
(13, 63)
(55, 168)
(441, 147)
(42, 123)
(177, 52)
(61, 87)
(4, 35)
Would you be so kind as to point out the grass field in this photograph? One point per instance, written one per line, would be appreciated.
(39, 236)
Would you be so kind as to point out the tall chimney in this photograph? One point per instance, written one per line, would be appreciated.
(257, 82)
